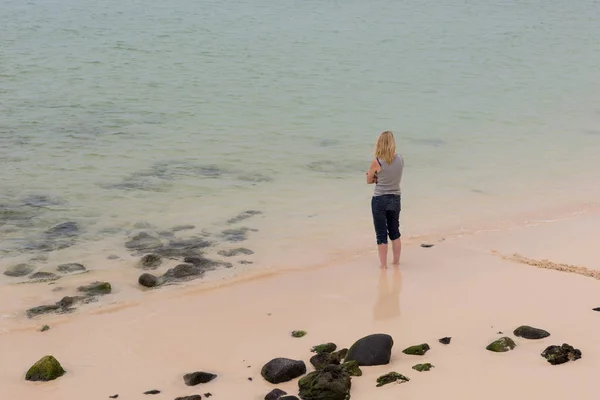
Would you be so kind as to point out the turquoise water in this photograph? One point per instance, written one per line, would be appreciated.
(114, 113)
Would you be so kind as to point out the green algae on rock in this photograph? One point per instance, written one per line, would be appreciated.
(96, 288)
(352, 368)
(417, 350)
(422, 367)
(331, 383)
(45, 328)
(556, 355)
(324, 348)
(298, 334)
(46, 369)
(391, 377)
(501, 345)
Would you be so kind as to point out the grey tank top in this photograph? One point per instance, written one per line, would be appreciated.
(388, 179)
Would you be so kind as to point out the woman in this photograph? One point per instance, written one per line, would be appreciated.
(386, 173)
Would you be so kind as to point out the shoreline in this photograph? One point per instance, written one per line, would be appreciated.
(128, 348)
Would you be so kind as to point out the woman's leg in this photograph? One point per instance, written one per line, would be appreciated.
(393, 225)
(380, 224)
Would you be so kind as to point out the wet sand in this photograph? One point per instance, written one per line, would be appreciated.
(469, 288)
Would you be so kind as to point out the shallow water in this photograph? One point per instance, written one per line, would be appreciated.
(134, 116)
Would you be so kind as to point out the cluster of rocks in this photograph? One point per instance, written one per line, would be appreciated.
(89, 294)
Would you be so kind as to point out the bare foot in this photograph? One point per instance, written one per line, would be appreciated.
(383, 266)
(397, 265)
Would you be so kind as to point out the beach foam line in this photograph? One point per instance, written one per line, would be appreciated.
(547, 264)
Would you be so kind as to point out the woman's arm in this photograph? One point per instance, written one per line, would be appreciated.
(372, 173)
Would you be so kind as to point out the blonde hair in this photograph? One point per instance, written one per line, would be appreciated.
(385, 148)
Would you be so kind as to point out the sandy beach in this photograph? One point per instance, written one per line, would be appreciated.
(469, 288)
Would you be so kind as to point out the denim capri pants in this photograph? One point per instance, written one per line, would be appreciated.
(386, 217)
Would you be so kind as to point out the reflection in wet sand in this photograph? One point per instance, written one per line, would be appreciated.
(387, 305)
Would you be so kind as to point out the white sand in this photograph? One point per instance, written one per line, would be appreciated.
(459, 288)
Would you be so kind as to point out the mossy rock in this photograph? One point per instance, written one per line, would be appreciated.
(529, 332)
(501, 345)
(352, 368)
(331, 383)
(298, 334)
(422, 367)
(324, 348)
(391, 377)
(96, 288)
(46, 369)
(45, 328)
(417, 350)
(339, 355)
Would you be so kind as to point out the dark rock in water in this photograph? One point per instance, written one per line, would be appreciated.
(113, 257)
(372, 350)
(39, 310)
(68, 301)
(501, 345)
(66, 229)
(114, 396)
(321, 360)
(96, 288)
(417, 350)
(142, 225)
(281, 370)
(144, 241)
(179, 228)
(36, 200)
(70, 268)
(422, 367)
(275, 394)
(189, 247)
(236, 235)
(153, 391)
(150, 261)
(298, 334)
(58, 289)
(528, 332)
(235, 252)
(561, 354)
(330, 383)
(352, 368)
(192, 397)
(196, 378)
(148, 280)
(324, 348)
(46, 369)
(445, 340)
(45, 328)
(243, 216)
(426, 245)
(245, 262)
(19, 270)
(184, 271)
(46, 276)
(391, 378)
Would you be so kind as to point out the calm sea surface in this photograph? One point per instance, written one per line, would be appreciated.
(121, 116)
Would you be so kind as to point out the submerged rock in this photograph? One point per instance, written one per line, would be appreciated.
(501, 345)
(391, 377)
(179, 248)
(528, 332)
(96, 288)
(150, 261)
(196, 378)
(556, 355)
(66, 229)
(44, 276)
(324, 348)
(183, 228)
(70, 268)
(235, 252)
(19, 270)
(372, 350)
(40, 310)
(281, 370)
(352, 368)
(184, 271)
(275, 394)
(64, 305)
(331, 383)
(422, 367)
(236, 235)
(417, 350)
(243, 216)
(148, 280)
(143, 241)
(46, 369)
(445, 340)
(298, 334)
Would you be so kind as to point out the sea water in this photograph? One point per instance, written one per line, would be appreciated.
(125, 116)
